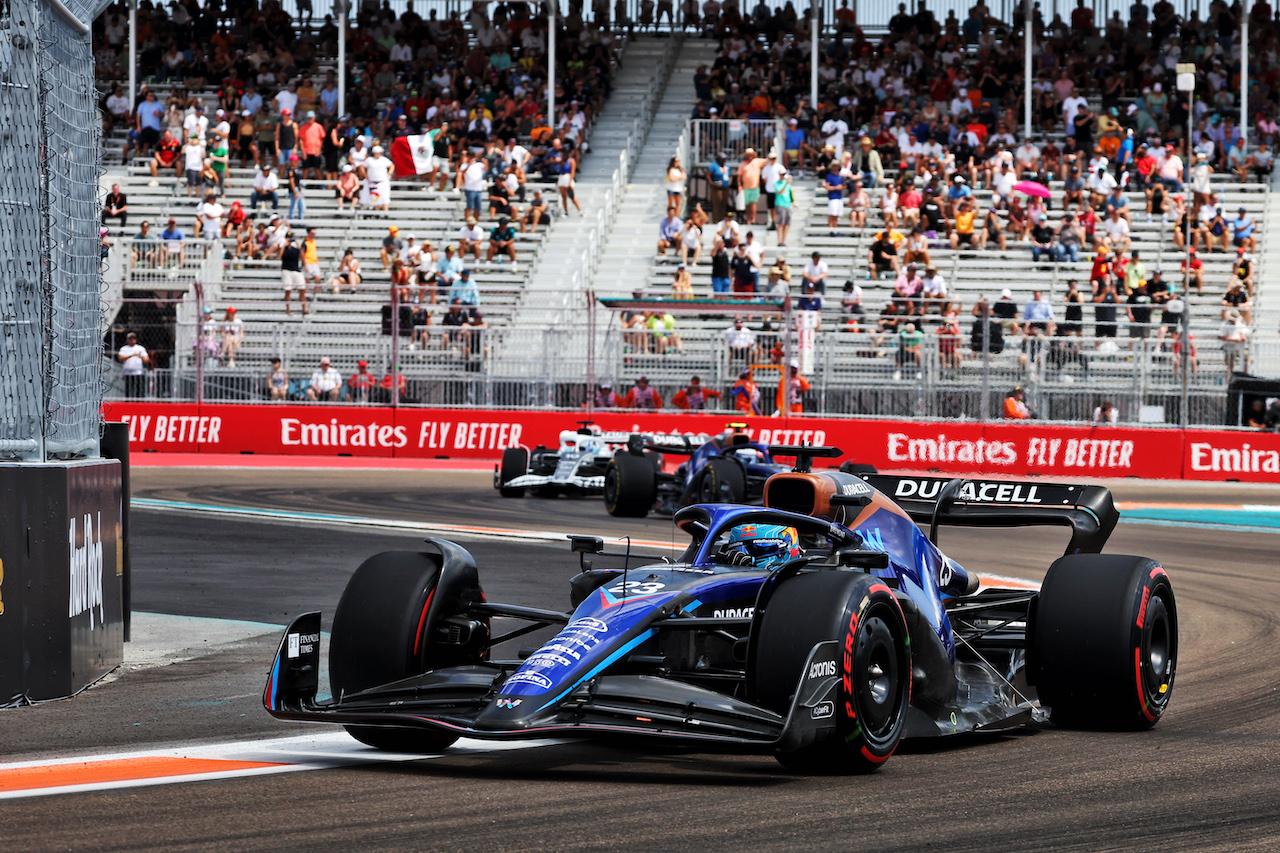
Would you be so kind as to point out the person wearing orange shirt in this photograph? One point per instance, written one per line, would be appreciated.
(1015, 407)
(311, 140)
(694, 397)
(749, 182)
(745, 394)
(791, 390)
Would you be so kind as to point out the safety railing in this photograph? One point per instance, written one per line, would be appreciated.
(731, 137)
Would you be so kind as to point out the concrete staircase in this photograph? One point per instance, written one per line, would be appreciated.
(1266, 313)
(555, 299)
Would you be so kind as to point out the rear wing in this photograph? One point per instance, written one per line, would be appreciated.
(1089, 511)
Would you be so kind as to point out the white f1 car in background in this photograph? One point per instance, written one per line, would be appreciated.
(576, 468)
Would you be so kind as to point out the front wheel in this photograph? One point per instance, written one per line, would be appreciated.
(630, 486)
(382, 633)
(1104, 641)
(859, 612)
(722, 481)
(515, 463)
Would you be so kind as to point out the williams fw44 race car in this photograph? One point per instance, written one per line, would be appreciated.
(577, 468)
(728, 468)
(821, 628)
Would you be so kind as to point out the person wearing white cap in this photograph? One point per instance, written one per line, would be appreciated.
(790, 396)
(346, 187)
(325, 382)
(377, 171)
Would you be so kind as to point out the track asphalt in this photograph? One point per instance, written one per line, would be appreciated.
(1206, 778)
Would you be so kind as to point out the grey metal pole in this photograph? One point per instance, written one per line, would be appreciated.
(1244, 75)
(813, 56)
(551, 63)
(1184, 417)
(1026, 66)
(342, 9)
(133, 56)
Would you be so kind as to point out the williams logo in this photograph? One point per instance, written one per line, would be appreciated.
(86, 568)
(509, 703)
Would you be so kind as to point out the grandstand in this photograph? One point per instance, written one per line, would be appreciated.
(544, 342)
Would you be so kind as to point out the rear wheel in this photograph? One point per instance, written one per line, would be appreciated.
(381, 634)
(630, 486)
(515, 463)
(1104, 641)
(860, 613)
(722, 481)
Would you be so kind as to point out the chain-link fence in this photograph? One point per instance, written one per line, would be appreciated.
(50, 293)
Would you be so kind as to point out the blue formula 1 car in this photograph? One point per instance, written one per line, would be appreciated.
(727, 468)
(822, 628)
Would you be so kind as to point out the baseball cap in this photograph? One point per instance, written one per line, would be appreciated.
(1006, 293)
(606, 385)
(347, 168)
(642, 379)
(795, 364)
(744, 373)
(311, 113)
(208, 310)
(285, 112)
(393, 229)
(377, 149)
(244, 112)
(231, 310)
(294, 158)
(172, 221)
(324, 360)
(362, 363)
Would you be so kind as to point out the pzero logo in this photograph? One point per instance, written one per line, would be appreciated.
(823, 710)
(86, 566)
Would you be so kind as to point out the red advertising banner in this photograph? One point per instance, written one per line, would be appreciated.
(947, 447)
(1252, 457)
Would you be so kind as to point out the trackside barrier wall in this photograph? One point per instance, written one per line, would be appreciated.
(950, 447)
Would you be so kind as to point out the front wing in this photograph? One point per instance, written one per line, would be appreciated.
(574, 481)
(624, 706)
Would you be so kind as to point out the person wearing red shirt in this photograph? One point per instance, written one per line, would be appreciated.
(362, 384)
(694, 397)
(1197, 270)
(642, 397)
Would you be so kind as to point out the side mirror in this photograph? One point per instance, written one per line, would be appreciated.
(586, 544)
(869, 560)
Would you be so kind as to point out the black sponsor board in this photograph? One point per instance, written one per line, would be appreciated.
(61, 564)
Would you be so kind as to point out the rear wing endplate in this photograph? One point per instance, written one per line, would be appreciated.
(1089, 511)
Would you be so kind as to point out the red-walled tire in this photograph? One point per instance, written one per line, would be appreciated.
(379, 636)
(860, 612)
(1104, 641)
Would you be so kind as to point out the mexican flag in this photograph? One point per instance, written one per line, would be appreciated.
(414, 155)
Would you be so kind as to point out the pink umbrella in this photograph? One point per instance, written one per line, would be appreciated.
(1032, 188)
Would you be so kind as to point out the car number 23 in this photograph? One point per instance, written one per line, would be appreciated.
(636, 588)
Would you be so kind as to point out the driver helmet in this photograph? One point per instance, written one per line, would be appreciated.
(766, 545)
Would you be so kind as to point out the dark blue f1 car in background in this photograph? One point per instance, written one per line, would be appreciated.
(822, 628)
(727, 468)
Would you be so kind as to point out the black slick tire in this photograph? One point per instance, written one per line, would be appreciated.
(722, 481)
(630, 486)
(1104, 642)
(379, 637)
(862, 614)
(515, 463)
